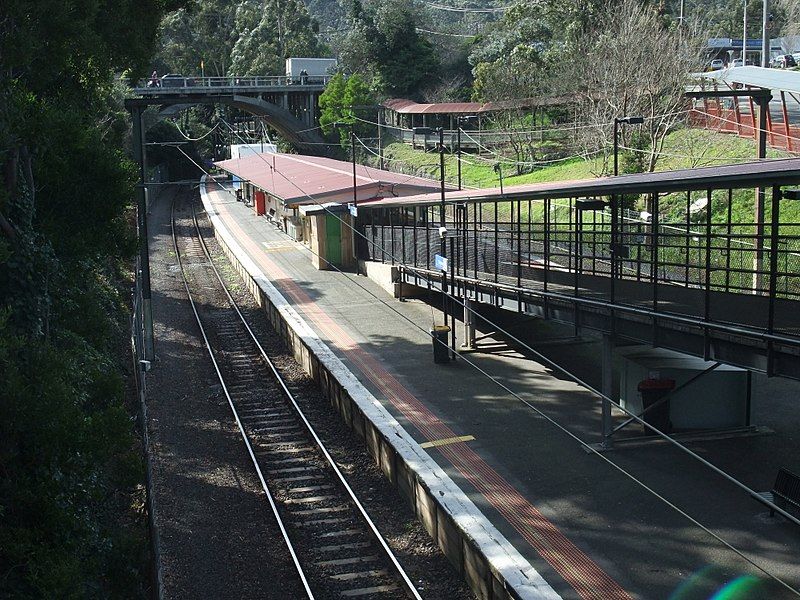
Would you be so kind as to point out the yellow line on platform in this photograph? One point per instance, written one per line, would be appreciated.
(446, 441)
(277, 247)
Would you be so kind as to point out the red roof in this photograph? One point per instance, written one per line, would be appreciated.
(409, 107)
(299, 179)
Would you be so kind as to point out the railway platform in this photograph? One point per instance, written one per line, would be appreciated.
(643, 521)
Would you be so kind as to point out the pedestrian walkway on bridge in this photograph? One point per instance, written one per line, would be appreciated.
(581, 519)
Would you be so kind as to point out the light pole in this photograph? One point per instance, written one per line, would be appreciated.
(463, 119)
(498, 168)
(617, 121)
(425, 131)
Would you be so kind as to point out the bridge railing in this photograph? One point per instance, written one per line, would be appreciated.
(170, 83)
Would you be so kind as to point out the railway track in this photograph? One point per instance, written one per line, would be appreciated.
(336, 548)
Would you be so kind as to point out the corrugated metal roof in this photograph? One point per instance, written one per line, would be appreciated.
(765, 173)
(404, 106)
(409, 107)
(771, 79)
(294, 178)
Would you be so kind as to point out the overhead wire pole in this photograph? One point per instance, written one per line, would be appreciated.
(141, 217)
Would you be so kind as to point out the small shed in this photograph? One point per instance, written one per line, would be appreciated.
(328, 230)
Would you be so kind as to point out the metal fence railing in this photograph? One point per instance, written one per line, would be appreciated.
(204, 84)
(140, 368)
(683, 243)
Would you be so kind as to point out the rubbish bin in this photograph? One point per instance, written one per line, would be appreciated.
(441, 351)
(653, 390)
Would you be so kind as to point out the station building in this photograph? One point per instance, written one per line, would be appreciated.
(315, 199)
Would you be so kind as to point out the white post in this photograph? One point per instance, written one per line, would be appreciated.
(765, 36)
(469, 326)
(744, 37)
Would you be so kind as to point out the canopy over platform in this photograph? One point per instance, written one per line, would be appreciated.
(770, 79)
(300, 180)
(409, 107)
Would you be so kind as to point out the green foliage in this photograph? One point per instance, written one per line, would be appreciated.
(69, 465)
(202, 31)
(385, 47)
(268, 31)
(339, 104)
(67, 459)
(521, 55)
(245, 37)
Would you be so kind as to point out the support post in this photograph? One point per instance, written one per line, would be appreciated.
(786, 128)
(607, 387)
(459, 155)
(141, 215)
(380, 137)
(469, 326)
(763, 109)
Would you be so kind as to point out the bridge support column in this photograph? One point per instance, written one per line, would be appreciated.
(607, 389)
(312, 109)
(469, 326)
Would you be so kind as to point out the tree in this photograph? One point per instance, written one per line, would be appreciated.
(523, 54)
(68, 462)
(340, 103)
(643, 72)
(405, 59)
(385, 48)
(202, 32)
(268, 31)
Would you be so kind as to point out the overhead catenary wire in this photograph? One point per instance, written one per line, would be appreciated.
(552, 421)
(581, 382)
(202, 137)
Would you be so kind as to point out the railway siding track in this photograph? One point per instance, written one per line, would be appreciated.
(336, 548)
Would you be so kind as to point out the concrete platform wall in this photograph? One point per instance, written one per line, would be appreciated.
(489, 563)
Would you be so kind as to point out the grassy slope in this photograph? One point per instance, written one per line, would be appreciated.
(685, 148)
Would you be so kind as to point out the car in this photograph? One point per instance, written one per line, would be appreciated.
(737, 62)
(796, 57)
(716, 64)
(173, 80)
(783, 61)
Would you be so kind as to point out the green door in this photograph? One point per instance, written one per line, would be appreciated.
(333, 240)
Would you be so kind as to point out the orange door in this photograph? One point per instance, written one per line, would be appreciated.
(260, 203)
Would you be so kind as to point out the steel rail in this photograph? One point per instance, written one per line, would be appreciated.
(250, 451)
(320, 445)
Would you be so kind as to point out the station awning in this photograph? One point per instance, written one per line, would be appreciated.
(298, 179)
(770, 79)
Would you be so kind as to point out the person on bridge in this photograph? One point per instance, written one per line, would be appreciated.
(154, 80)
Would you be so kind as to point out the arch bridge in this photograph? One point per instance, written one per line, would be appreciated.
(289, 104)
